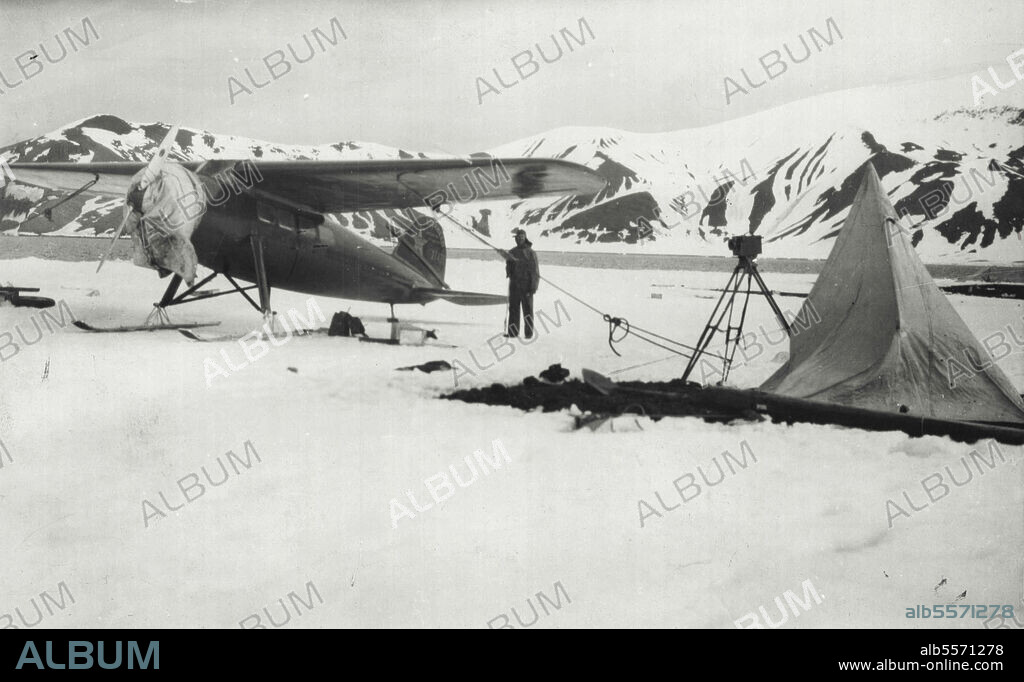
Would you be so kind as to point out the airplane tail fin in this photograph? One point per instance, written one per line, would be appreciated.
(421, 246)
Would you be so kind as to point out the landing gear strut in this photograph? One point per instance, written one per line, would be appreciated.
(396, 328)
(262, 283)
(171, 297)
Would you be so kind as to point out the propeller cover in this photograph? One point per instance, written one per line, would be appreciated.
(165, 213)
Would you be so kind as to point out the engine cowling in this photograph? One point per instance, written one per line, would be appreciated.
(164, 214)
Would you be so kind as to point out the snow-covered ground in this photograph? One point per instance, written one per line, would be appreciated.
(96, 424)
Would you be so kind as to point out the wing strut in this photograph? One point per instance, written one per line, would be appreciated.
(48, 211)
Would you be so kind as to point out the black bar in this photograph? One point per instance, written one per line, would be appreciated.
(723, 653)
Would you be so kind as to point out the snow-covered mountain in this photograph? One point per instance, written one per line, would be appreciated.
(957, 174)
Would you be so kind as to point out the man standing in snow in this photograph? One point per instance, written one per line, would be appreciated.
(523, 274)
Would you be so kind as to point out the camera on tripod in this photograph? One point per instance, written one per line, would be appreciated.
(747, 245)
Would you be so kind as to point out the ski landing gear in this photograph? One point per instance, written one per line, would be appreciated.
(159, 317)
(416, 336)
(396, 331)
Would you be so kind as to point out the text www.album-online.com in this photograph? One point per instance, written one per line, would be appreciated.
(945, 664)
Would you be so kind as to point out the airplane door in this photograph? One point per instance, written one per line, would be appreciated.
(310, 245)
(279, 230)
(313, 265)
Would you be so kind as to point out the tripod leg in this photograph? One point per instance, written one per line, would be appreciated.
(733, 342)
(715, 320)
(771, 299)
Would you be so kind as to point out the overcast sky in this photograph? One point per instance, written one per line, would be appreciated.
(406, 74)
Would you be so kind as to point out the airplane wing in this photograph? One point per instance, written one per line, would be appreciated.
(341, 186)
(109, 179)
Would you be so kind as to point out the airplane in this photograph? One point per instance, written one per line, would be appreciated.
(271, 224)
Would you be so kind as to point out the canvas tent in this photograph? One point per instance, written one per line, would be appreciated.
(887, 338)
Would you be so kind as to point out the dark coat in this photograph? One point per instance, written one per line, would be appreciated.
(522, 269)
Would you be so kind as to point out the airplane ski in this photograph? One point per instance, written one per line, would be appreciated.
(86, 327)
(192, 336)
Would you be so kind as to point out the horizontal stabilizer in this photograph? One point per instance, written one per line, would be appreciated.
(459, 297)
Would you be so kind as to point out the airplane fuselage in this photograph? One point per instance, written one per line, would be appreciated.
(302, 252)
